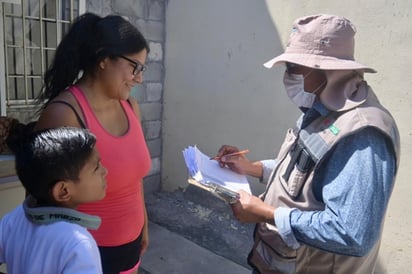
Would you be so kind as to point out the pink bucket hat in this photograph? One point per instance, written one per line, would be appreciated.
(322, 42)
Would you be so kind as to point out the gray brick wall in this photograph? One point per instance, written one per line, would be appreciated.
(149, 17)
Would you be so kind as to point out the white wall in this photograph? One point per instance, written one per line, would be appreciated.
(217, 91)
(216, 88)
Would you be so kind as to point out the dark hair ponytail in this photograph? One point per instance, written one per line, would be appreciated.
(90, 40)
(74, 54)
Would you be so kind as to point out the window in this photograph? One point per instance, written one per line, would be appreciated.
(31, 31)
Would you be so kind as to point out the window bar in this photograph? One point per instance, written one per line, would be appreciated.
(6, 91)
(13, 41)
(24, 51)
(14, 55)
(42, 53)
(58, 32)
(2, 87)
(29, 76)
(71, 7)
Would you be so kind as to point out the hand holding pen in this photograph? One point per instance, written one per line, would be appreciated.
(233, 158)
(218, 158)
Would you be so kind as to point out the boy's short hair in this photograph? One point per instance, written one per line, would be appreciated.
(47, 156)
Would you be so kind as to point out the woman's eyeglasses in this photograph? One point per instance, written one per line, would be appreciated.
(137, 67)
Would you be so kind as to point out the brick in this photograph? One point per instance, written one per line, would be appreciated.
(130, 8)
(154, 92)
(156, 52)
(155, 169)
(155, 147)
(156, 10)
(151, 111)
(153, 30)
(154, 72)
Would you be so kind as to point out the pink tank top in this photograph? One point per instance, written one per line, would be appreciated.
(127, 160)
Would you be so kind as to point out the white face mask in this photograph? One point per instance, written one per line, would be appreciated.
(294, 85)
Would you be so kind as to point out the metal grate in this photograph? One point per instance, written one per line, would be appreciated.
(32, 32)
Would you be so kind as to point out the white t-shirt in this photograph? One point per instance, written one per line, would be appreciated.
(57, 247)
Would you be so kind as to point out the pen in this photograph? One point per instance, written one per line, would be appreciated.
(231, 154)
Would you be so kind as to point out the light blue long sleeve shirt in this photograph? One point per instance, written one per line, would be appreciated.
(355, 184)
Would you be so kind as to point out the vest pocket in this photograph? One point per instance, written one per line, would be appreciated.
(270, 254)
(299, 165)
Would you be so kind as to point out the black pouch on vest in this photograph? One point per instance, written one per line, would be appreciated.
(298, 169)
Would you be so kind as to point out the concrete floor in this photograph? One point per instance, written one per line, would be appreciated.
(217, 232)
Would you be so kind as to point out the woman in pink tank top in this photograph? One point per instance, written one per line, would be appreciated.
(110, 54)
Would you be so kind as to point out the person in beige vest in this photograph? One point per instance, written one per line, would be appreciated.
(328, 188)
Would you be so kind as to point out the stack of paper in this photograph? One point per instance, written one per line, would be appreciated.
(206, 171)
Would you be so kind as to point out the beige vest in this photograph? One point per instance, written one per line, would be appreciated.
(292, 187)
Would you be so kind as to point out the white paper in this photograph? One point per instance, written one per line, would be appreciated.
(204, 170)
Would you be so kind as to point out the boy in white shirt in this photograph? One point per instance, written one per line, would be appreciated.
(60, 169)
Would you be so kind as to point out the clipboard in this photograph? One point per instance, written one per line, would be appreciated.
(217, 190)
